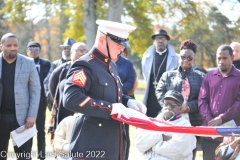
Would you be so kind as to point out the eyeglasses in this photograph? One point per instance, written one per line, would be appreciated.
(172, 105)
(186, 58)
(66, 48)
(84, 51)
(33, 48)
(160, 38)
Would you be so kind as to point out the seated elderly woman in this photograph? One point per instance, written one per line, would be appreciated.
(157, 145)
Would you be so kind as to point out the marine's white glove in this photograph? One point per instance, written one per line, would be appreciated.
(137, 105)
(120, 109)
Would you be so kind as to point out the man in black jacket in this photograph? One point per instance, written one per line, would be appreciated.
(42, 66)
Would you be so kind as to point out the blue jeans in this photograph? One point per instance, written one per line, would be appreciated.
(8, 123)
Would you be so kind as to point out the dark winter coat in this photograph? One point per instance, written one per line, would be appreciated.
(172, 80)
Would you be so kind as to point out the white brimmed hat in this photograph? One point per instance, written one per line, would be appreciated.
(118, 32)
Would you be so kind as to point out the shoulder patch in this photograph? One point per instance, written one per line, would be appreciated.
(79, 78)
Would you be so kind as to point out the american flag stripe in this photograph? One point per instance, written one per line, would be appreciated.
(163, 126)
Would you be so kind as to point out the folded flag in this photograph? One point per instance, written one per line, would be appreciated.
(140, 120)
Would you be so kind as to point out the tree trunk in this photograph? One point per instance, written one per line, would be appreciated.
(48, 38)
(32, 32)
(89, 22)
(48, 32)
(115, 10)
(213, 58)
(201, 60)
(228, 35)
(3, 29)
(62, 25)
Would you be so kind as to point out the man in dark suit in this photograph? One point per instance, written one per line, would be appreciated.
(42, 66)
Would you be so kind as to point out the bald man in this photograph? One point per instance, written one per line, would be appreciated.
(58, 77)
(78, 50)
(236, 52)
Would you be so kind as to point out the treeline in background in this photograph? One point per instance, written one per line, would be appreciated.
(51, 21)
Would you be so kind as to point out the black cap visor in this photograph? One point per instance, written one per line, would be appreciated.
(173, 98)
(117, 39)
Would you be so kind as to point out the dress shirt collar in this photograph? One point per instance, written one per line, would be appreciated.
(36, 60)
(63, 60)
(233, 72)
(160, 53)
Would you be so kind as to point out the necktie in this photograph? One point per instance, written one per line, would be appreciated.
(37, 65)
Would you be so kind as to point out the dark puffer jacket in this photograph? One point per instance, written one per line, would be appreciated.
(172, 80)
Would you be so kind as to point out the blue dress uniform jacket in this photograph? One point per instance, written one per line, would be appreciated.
(92, 86)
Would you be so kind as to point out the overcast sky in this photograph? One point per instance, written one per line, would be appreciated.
(228, 8)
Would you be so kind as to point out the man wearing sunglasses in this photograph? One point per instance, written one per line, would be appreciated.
(42, 66)
(158, 58)
(94, 89)
(156, 145)
(66, 56)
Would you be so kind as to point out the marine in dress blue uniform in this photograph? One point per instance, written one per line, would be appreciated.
(94, 89)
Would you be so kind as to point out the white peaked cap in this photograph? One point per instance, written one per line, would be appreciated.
(117, 29)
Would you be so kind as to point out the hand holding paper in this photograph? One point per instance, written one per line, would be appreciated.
(30, 121)
(22, 135)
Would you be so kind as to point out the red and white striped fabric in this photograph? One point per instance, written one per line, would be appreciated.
(140, 120)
